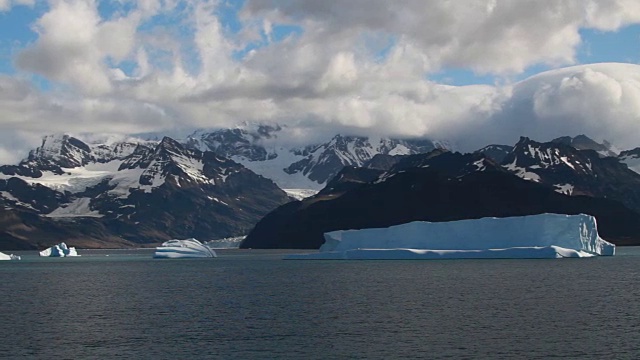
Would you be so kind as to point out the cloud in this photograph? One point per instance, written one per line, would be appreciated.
(6, 5)
(486, 36)
(358, 67)
(74, 44)
(599, 100)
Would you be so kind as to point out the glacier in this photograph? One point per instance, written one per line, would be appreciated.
(189, 248)
(532, 236)
(60, 250)
(4, 256)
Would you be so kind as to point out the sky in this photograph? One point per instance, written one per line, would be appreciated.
(471, 72)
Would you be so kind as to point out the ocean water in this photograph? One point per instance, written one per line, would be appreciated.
(249, 304)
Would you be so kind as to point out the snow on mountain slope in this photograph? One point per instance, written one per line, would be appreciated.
(496, 152)
(632, 159)
(274, 169)
(534, 161)
(300, 194)
(78, 208)
(72, 179)
(574, 172)
(583, 142)
(323, 162)
(264, 150)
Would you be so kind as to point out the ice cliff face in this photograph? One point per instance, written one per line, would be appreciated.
(574, 232)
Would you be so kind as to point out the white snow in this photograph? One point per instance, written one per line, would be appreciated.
(217, 200)
(400, 150)
(4, 256)
(73, 179)
(566, 161)
(522, 172)
(533, 236)
(274, 169)
(7, 195)
(77, 208)
(480, 165)
(300, 194)
(564, 188)
(60, 250)
(632, 161)
(189, 248)
(125, 180)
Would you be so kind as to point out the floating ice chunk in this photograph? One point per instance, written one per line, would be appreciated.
(534, 236)
(189, 248)
(225, 243)
(60, 250)
(4, 256)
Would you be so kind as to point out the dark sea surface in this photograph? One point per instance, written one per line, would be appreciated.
(249, 304)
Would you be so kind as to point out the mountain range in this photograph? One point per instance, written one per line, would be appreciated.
(566, 175)
(209, 185)
(221, 183)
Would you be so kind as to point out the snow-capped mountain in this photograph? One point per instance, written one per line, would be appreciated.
(583, 142)
(323, 162)
(216, 184)
(631, 158)
(496, 152)
(580, 142)
(147, 192)
(574, 172)
(245, 143)
(263, 149)
(440, 186)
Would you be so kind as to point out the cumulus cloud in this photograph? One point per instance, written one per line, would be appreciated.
(359, 67)
(485, 35)
(74, 44)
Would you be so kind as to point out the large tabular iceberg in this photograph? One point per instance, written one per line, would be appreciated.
(189, 248)
(60, 250)
(534, 236)
(4, 256)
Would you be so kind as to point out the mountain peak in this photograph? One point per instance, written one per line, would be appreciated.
(169, 143)
(59, 151)
(583, 142)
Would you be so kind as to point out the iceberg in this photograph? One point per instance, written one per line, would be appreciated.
(189, 248)
(60, 250)
(532, 236)
(225, 243)
(4, 256)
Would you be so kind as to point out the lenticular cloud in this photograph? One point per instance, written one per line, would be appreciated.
(599, 100)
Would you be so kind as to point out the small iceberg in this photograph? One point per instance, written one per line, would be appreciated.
(4, 256)
(60, 250)
(189, 248)
(225, 243)
(541, 236)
